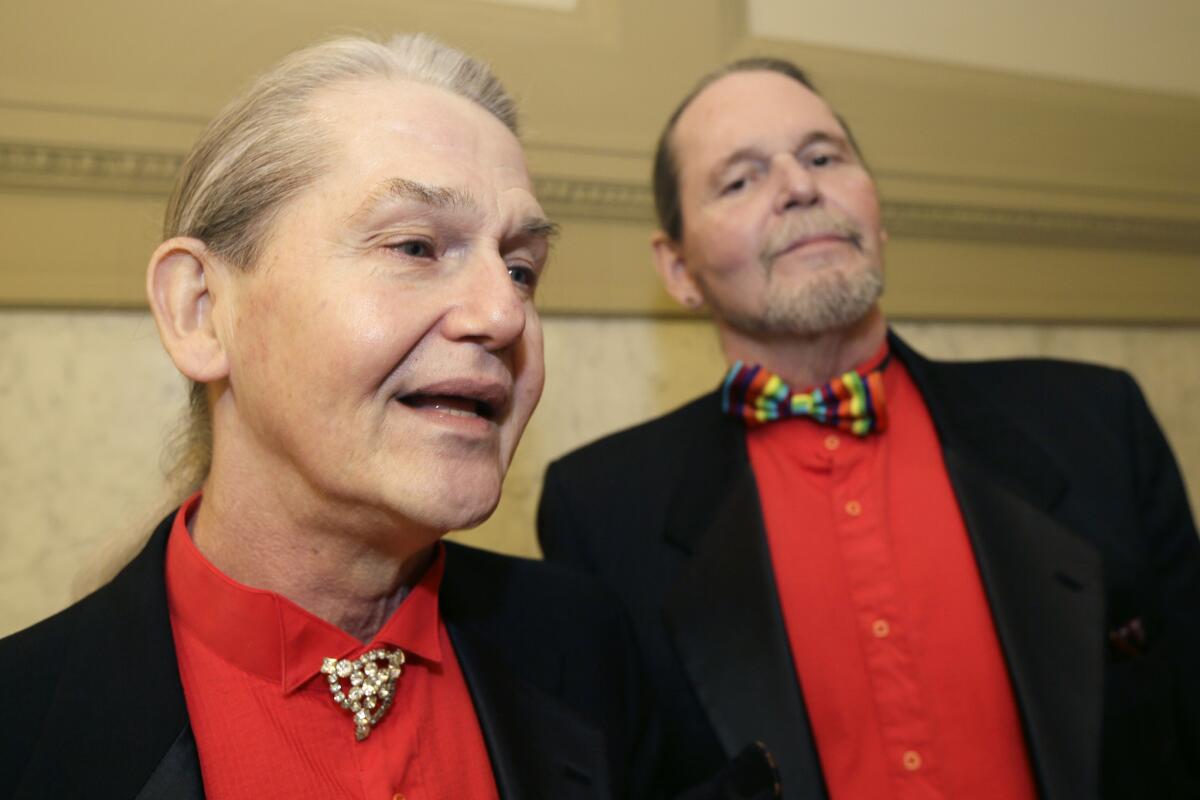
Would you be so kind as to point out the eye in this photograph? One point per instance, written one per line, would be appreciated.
(743, 176)
(823, 159)
(413, 248)
(734, 186)
(523, 275)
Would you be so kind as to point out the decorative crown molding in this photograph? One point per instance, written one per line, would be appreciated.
(594, 199)
(82, 169)
(86, 169)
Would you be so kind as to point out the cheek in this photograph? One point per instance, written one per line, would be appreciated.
(863, 201)
(370, 331)
(726, 241)
(253, 333)
(362, 318)
(530, 364)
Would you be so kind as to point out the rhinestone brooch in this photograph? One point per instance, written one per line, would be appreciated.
(370, 685)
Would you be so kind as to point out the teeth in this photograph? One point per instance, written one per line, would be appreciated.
(454, 412)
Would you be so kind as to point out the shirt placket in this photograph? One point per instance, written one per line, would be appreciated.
(390, 759)
(858, 498)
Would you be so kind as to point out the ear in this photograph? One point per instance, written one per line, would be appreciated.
(672, 268)
(179, 284)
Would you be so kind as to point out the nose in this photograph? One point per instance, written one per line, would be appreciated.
(487, 307)
(797, 187)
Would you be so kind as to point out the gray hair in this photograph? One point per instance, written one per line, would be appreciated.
(263, 149)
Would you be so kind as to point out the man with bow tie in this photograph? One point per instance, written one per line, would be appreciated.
(908, 578)
(348, 276)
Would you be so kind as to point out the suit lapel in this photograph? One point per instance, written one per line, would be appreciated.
(1044, 583)
(723, 613)
(1045, 591)
(538, 746)
(177, 776)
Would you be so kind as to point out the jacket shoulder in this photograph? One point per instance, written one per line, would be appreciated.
(29, 656)
(38, 640)
(1054, 391)
(1041, 370)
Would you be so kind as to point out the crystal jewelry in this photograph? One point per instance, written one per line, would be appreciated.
(372, 685)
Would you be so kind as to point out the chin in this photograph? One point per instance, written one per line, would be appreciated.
(828, 302)
(464, 519)
(457, 506)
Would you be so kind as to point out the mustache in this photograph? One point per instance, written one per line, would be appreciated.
(814, 224)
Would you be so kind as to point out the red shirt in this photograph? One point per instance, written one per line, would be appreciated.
(891, 634)
(261, 711)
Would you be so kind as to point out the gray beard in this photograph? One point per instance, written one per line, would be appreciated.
(829, 301)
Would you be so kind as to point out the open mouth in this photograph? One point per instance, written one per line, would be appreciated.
(454, 405)
(465, 398)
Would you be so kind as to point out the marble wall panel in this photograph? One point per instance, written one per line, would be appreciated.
(86, 400)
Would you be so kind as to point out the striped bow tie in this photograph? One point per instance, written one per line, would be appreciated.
(851, 402)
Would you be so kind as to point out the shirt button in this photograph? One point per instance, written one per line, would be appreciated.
(881, 628)
(853, 508)
(832, 442)
(911, 760)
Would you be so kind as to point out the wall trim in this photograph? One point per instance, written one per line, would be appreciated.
(1024, 226)
(25, 165)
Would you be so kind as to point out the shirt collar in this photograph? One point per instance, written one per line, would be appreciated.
(268, 635)
(876, 360)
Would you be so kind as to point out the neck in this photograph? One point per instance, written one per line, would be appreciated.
(350, 569)
(804, 361)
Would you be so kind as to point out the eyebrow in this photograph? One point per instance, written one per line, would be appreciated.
(404, 190)
(443, 198)
(540, 228)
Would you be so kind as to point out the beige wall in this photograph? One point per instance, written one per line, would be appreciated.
(1071, 39)
(87, 399)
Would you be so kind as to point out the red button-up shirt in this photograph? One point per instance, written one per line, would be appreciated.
(262, 714)
(891, 634)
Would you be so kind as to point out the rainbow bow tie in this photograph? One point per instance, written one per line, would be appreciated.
(851, 402)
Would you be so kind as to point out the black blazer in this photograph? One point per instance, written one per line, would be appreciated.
(1080, 526)
(92, 706)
